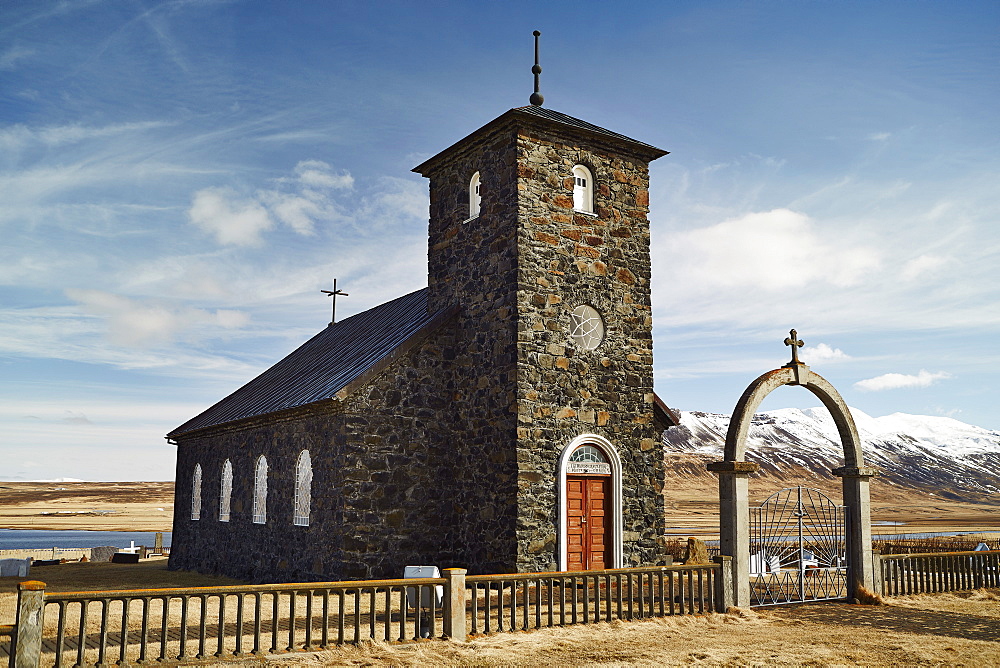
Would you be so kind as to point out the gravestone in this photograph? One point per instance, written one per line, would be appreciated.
(102, 553)
(697, 552)
(762, 563)
(125, 558)
(14, 568)
(808, 558)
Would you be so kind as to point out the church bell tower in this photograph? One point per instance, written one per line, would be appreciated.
(538, 234)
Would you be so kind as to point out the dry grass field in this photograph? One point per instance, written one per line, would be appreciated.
(961, 629)
(952, 630)
(692, 507)
(96, 506)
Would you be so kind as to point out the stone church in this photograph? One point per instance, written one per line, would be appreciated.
(502, 419)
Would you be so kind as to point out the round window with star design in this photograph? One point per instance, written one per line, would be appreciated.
(586, 327)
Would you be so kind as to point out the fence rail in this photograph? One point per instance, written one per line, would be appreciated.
(525, 601)
(177, 625)
(930, 572)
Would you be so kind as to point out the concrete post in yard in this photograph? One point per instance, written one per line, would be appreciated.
(724, 592)
(27, 641)
(454, 610)
(861, 565)
(734, 523)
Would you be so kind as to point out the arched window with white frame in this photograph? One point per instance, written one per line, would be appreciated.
(225, 491)
(260, 491)
(583, 190)
(303, 489)
(475, 196)
(196, 493)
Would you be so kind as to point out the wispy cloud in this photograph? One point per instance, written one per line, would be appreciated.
(135, 323)
(65, 334)
(771, 250)
(98, 435)
(9, 58)
(19, 137)
(396, 200)
(895, 381)
(923, 267)
(318, 174)
(230, 218)
(297, 202)
(822, 352)
(74, 418)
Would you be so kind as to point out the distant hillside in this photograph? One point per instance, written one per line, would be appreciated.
(936, 455)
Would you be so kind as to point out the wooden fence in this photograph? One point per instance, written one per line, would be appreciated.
(903, 574)
(177, 625)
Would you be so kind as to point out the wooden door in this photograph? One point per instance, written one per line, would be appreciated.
(588, 522)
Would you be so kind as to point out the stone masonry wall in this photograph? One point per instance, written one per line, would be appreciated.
(568, 259)
(449, 457)
(473, 264)
(383, 494)
(517, 271)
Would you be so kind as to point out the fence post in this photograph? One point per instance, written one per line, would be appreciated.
(725, 594)
(27, 642)
(454, 612)
(879, 578)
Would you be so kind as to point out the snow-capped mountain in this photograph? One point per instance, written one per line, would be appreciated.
(953, 459)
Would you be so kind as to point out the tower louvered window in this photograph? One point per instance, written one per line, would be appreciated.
(225, 491)
(303, 489)
(260, 491)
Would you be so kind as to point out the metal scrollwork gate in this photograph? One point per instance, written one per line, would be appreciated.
(798, 548)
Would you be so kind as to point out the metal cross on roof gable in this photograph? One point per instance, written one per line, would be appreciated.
(795, 343)
(333, 293)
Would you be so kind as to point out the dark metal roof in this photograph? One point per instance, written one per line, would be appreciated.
(565, 119)
(664, 417)
(325, 364)
(535, 113)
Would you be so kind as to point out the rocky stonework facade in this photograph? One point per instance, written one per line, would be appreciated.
(450, 455)
(390, 487)
(524, 263)
(569, 259)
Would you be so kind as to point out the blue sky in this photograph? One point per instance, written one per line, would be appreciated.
(178, 180)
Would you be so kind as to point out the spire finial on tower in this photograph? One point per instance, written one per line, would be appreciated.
(536, 97)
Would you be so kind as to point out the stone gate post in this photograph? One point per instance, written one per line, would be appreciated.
(734, 523)
(861, 563)
(454, 612)
(724, 589)
(27, 641)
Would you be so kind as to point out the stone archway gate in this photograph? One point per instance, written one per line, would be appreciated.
(734, 470)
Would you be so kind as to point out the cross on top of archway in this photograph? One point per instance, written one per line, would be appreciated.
(794, 341)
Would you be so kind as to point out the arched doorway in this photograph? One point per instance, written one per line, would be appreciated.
(733, 471)
(590, 507)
